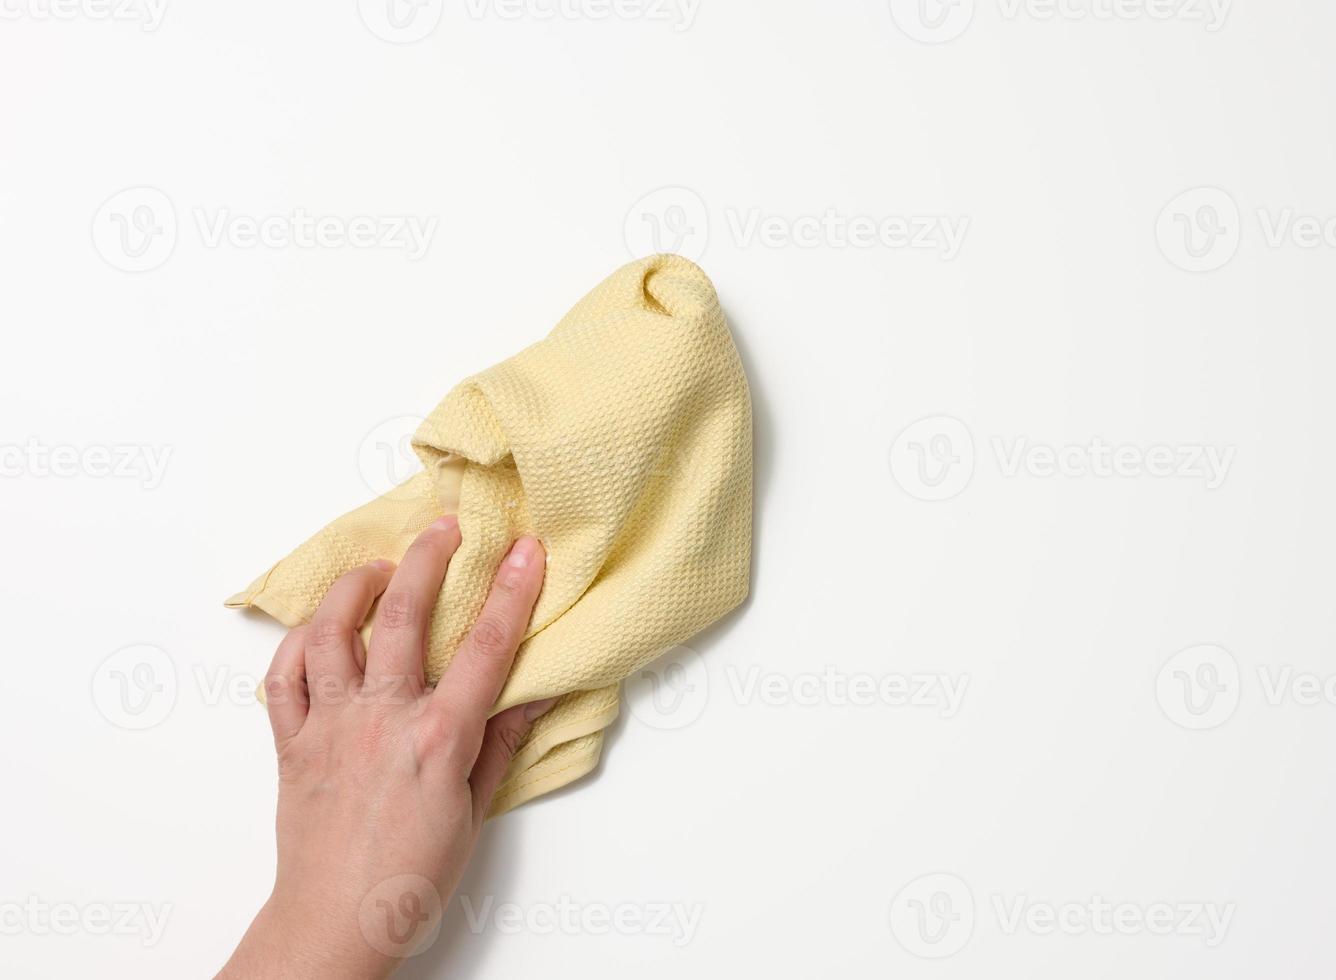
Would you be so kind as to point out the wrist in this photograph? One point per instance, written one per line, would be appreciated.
(285, 940)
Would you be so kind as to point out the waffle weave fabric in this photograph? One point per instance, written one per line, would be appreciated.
(623, 442)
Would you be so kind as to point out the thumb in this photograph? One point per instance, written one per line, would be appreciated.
(504, 735)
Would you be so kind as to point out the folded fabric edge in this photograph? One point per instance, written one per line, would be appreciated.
(532, 753)
(536, 782)
(256, 597)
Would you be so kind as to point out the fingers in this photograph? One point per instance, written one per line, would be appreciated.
(285, 687)
(331, 663)
(479, 669)
(503, 738)
(400, 635)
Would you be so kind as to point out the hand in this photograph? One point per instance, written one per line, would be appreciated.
(384, 783)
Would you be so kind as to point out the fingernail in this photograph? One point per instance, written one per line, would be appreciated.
(538, 708)
(445, 522)
(522, 552)
(383, 564)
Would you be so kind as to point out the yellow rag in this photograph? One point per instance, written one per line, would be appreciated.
(623, 441)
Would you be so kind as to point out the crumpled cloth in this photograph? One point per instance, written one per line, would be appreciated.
(623, 441)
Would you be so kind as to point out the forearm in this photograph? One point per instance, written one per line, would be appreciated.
(279, 945)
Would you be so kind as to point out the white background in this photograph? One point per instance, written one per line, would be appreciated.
(787, 815)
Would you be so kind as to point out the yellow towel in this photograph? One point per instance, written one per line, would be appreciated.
(623, 441)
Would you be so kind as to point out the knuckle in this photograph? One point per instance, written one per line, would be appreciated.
(324, 634)
(279, 689)
(437, 735)
(491, 637)
(288, 647)
(509, 738)
(399, 610)
(293, 763)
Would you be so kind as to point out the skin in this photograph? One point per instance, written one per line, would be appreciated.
(384, 783)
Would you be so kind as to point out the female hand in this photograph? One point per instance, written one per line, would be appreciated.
(384, 783)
